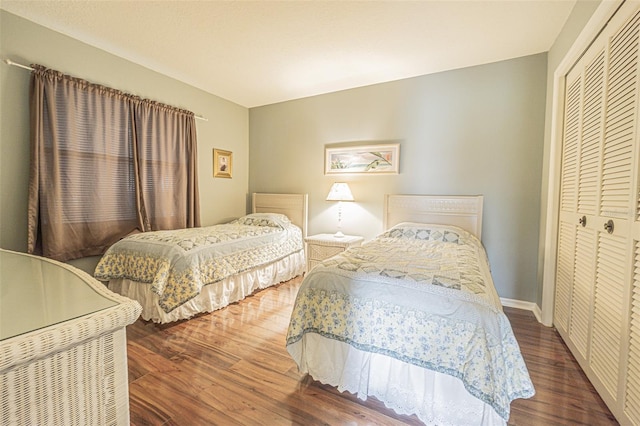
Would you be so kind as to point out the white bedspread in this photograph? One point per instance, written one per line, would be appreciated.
(422, 295)
(178, 264)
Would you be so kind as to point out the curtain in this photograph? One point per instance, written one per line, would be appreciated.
(104, 164)
(168, 181)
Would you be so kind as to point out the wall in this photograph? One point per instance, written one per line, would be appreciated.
(477, 130)
(25, 42)
(468, 131)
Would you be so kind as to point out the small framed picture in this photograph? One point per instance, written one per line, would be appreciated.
(222, 163)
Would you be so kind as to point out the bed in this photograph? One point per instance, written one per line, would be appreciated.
(412, 318)
(177, 274)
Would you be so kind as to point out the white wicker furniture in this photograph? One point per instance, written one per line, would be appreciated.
(63, 357)
(323, 246)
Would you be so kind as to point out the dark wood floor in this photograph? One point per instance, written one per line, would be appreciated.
(231, 367)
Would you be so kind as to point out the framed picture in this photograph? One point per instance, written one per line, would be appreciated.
(222, 163)
(366, 159)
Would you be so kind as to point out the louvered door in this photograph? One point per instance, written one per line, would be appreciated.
(568, 203)
(598, 220)
(632, 396)
(580, 194)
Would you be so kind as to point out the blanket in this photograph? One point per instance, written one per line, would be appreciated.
(422, 295)
(178, 263)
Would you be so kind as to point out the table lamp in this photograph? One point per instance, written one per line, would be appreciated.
(339, 192)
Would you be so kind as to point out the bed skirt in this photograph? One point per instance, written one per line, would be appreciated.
(214, 296)
(405, 388)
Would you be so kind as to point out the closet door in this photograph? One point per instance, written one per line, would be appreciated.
(580, 195)
(568, 220)
(598, 237)
(616, 211)
(632, 388)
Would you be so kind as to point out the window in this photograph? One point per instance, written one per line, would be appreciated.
(105, 164)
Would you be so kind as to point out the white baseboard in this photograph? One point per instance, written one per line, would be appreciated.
(520, 304)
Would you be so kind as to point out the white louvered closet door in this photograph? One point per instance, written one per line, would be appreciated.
(598, 236)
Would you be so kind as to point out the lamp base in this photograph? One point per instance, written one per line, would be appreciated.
(338, 234)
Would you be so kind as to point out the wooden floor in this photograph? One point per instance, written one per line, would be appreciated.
(231, 367)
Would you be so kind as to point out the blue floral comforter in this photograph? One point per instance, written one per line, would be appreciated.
(178, 263)
(422, 294)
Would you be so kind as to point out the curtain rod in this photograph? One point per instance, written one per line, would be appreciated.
(25, 67)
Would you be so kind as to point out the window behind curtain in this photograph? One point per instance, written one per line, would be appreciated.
(164, 169)
(88, 154)
(92, 161)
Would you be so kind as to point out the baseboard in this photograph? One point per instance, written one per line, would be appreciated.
(520, 304)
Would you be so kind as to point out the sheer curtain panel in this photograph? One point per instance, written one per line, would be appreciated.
(90, 182)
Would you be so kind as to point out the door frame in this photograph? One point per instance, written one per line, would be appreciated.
(594, 26)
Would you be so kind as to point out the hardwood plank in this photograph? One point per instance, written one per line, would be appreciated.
(143, 361)
(174, 397)
(231, 367)
(564, 395)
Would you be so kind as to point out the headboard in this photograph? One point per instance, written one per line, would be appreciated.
(294, 206)
(462, 211)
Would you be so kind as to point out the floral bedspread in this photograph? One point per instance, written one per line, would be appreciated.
(177, 264)
(422, 294)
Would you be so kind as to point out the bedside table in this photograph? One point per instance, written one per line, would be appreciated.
(323, 246)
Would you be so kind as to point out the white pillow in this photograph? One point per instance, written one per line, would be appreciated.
(275, 220)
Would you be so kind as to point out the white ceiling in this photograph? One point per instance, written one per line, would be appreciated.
(261, 52)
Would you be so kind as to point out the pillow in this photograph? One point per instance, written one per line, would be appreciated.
(274, 220)
(425, 232)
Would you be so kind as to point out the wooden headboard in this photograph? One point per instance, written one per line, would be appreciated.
(294, 206)
(462, 211)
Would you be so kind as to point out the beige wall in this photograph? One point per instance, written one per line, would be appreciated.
(25, 42)
(477, 130)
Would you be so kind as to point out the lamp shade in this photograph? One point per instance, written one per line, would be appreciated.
(340, 192)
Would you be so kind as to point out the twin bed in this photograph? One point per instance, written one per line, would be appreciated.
(411, 317)
(177, 274)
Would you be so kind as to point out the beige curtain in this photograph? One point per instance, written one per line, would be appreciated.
(104, 164)
(167, 171)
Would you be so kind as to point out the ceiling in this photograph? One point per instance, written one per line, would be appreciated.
(256, 53)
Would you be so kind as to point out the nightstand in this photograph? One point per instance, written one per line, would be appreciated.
(323, 246)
